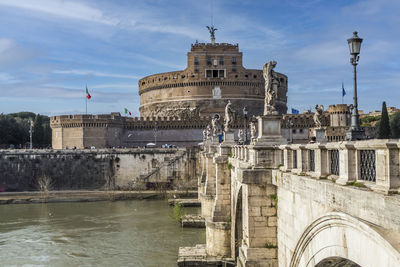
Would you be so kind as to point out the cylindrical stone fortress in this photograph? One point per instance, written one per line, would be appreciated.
(214, 75)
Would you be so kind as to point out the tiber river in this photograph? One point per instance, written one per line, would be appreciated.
(121, 233)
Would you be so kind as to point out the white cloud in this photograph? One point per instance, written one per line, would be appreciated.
(12, 54)
(5, 44)
(323, 53)
(68, 9)
(172, 29)
(96, 73)
(132, 86)
(6, 78)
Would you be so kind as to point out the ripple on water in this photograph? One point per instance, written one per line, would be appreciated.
(125, 233)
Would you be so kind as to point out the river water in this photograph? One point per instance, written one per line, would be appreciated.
(121, 233)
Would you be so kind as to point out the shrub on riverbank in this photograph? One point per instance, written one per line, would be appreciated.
(177, 212)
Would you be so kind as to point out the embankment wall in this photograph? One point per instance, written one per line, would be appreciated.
(111, 169)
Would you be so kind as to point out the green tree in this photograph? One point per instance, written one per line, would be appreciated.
(14, 129)
(23, 115)
(383, 130)
(11, 131)
(38, 131)
(395, 125)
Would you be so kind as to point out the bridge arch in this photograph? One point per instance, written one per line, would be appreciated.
(338, 235)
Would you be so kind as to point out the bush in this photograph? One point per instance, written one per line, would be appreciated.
(177, 212)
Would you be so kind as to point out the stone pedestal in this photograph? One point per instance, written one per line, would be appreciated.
(269, 130)
(229, 138)
(355, 134)
(214, 140)
(319, 134)
(229, 141)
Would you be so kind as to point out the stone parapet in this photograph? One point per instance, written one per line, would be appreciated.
(372, 163)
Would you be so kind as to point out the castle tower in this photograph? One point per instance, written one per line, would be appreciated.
(214, 75)
(339, 115)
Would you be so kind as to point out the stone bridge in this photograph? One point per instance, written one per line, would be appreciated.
(323, 204)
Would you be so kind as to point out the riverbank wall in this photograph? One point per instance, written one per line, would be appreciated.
(101, 169)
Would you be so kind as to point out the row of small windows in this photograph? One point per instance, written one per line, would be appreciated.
(215, 61)
(212, 75)
(295, 131)
(186, 125)
(215, 73)
(205, 83)
(73, 125)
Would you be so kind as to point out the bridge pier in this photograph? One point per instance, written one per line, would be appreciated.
(218, 226)
(255, 219)
(208, 195)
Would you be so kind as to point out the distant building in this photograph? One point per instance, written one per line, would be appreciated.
(374, 113)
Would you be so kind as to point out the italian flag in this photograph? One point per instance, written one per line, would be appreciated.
(127, 111)
(88, 96)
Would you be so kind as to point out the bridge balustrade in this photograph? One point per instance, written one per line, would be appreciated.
(371, 163)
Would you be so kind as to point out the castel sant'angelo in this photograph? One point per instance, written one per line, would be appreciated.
(176, 106)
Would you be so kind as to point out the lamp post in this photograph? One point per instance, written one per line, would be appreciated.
(355, 132)
(155, 133)
(245, 111)
(30, 134)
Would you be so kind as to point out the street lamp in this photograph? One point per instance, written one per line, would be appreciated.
(245, 111)
(30, 134)
(155, 133)
(355, 132)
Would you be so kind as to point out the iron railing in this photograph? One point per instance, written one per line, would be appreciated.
(312, 160)
(334, 164)
(367, 165)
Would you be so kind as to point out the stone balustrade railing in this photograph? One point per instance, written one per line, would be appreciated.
(372, 163)
(241, 152)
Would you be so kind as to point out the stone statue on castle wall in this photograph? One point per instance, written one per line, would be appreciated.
(208, 131)
(319, 110)
(229, 117)
(271, 88)
(215, 125)
(253, 130)
(240, 135)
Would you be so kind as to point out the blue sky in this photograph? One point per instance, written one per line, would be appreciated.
(50, 49)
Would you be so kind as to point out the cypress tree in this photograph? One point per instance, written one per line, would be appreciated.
(384, 126)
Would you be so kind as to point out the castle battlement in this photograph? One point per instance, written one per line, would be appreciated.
(216, 46)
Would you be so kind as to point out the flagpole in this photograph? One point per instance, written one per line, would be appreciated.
(86, 98)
